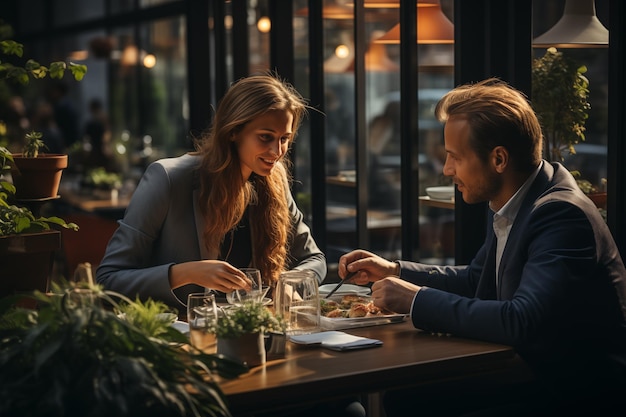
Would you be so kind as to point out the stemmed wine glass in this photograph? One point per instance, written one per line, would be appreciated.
(256, 294)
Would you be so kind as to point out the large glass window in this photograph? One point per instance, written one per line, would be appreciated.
(137, 58)
(73, 11)
(589, 157)
(259, 35)
(150, 68)
(341, 137)
(362, 126)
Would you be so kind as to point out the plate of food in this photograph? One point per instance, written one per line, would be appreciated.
(345, 289)
(352, 310)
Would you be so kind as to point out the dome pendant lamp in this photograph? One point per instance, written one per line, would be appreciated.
(579, 27)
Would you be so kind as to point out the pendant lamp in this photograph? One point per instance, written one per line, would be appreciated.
(579, 27)
(433, 27)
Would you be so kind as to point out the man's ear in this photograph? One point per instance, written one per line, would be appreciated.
(500, 158)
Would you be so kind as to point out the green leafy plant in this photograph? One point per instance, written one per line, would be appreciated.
(22, 74)
(153, 317)
(17, 220)
(585, 185)
(33, 145)
(89, 352)
(31, 68)
(100, 178)
(5, 157)
(248, 317)
(560, 93)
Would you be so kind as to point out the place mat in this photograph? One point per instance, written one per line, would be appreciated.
(335, 340)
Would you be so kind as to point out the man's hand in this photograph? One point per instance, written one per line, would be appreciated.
(369, 267)
(394, 294)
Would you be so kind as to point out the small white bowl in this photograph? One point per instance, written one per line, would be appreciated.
(441, 193)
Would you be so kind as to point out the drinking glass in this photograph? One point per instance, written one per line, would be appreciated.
(202, 318)
(257, 293)
(297, 301)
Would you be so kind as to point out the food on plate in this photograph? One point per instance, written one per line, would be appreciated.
(349, 299)
(350, 306)
(375, 310)
(327, 306)
(357, 310)
(337, 314)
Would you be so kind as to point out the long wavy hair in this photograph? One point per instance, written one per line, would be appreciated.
(225, 195)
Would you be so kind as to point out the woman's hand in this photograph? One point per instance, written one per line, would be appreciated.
(214, 274)
(368, 266)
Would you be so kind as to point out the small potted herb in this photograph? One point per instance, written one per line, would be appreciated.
(242, 331)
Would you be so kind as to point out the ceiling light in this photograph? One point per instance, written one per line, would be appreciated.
(579, 27)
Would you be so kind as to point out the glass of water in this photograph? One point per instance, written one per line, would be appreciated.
(202, 318)
(297, 301)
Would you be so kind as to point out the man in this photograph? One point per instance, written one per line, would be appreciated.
(65, 114)
(548, 280)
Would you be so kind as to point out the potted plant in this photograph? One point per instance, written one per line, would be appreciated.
(31, 172)
(37, 175)
(102, 183)
(27, 242)
(243, 331)
(559, 97)
(560, 93)
(89, 352)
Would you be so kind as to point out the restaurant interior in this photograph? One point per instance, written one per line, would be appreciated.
(367, 161)
(363, 159)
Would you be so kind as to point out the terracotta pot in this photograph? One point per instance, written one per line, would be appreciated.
(248, 348)
(38, 178)
(599, 199)
(26, 261)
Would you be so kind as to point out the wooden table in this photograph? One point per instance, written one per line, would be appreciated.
(407, 357)
(111, 208)
(90, 204)
(432, 202)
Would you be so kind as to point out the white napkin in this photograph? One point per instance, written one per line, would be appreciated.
(335, 340)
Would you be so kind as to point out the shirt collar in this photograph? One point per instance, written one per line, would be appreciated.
(511, 207)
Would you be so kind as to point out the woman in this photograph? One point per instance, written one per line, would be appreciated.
(195, 219)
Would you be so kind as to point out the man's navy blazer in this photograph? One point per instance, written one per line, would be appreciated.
(561, 295)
